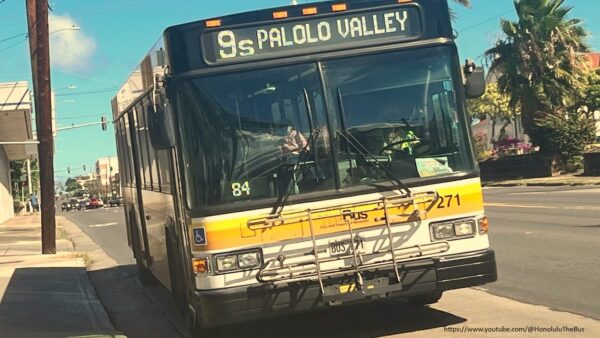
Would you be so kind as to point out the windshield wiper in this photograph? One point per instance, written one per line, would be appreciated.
(361, 148)
(282, 198)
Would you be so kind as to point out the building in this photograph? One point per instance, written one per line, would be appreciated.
(107, 169)
(16, 137)
(594, 60)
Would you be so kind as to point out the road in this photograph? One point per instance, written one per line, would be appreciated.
(545, 245)
(547, 242)
(106, 226)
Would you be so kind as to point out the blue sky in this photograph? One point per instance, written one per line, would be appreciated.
(115, 34)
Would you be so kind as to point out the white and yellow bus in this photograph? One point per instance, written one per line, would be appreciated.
(301, 157)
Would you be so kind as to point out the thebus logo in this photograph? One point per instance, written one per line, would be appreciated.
(355, 216)
(199, 236)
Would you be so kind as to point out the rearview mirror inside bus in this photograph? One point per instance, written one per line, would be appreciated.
(162, 134)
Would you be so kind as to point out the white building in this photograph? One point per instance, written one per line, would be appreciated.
(107, 169)
(15, 132)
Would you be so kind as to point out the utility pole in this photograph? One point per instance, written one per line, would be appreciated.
(39, 47)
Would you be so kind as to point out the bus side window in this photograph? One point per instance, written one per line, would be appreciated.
(164, 169)
(153, 169)
(130, 179)
(139, 145)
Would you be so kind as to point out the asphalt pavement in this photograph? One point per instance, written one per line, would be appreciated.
(544, 240)
(547, 243)
(106, 226)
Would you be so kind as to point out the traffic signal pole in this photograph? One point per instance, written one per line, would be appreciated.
(39, 47)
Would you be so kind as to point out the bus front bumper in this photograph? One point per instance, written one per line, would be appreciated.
(421, 277)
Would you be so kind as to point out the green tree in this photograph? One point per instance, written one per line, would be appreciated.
(591, 96)
(466, 3)
(71, 184)
(569, 133)
(493, 104)
(540, 65)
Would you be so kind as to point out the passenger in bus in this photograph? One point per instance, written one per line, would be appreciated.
(294, 142)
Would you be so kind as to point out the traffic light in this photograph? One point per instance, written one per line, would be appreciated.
(84, 167)
(69, 170)
(103, 120)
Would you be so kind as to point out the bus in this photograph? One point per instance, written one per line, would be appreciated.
(303, 157)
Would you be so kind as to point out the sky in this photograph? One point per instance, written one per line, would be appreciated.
(88, 64)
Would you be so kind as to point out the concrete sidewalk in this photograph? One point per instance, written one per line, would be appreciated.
(561, 180)
(46, 295)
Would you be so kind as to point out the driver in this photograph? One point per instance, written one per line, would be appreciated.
(400, 140)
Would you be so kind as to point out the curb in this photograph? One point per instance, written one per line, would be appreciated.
(100, 315)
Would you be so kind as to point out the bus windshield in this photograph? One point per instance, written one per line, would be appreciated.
(255, 135)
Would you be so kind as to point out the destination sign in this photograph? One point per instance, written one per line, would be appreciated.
(238, 44)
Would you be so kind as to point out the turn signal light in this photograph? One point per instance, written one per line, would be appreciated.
(200, 265)
(213, 23)
(483, 225)
(280, 15)
(339, 7)
(309, 11)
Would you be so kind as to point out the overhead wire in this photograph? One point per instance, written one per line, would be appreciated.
(485, 21)
(89, 92)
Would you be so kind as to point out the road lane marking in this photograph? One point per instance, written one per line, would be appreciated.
(530, 206)
(571, 191)
(102, 225)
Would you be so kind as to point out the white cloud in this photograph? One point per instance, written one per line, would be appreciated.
(70, 49)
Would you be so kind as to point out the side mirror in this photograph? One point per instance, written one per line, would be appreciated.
(475, 84)
(161, 127)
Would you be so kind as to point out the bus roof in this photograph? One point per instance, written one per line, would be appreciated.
(191, 46)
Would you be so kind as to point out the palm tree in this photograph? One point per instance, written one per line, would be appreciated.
(540, 62)
(466, 3)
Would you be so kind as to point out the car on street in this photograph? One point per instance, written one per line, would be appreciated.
(115, 201)
(82, 203)
(94, 203)
(66, 206)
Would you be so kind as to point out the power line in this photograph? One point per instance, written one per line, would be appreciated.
(13, 45)
(89, 92)
(12, 37)
(485, 21)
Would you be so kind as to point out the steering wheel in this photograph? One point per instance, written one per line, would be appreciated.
(419, 146)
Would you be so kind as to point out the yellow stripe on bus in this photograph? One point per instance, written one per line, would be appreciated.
(234, 232)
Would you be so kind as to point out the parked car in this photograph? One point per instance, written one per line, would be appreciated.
(66, 206)
(94, 203)
(115, 201)
(82, 203)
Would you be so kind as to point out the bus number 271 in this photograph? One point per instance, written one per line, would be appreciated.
(447, 201)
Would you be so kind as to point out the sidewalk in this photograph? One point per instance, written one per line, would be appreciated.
(46, 295)
(562, 180)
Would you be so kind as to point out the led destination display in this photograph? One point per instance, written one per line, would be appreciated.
(397, 24)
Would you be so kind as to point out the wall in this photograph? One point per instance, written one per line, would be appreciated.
(516, 166)
(6, 201)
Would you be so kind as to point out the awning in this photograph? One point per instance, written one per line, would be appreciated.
(15, 120)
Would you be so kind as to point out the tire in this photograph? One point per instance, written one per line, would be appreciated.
(426, 299)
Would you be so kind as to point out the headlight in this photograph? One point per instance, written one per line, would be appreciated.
(238, 261)
(464, 228)
(248, 260)
(442, 231)
(452, 229)
(226, 263)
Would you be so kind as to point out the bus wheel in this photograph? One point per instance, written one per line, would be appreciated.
(426, 299)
